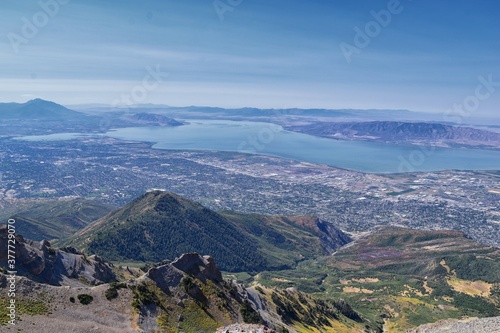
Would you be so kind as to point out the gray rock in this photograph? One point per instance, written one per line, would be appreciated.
(42, 263)
(166, 277)
(202, 268)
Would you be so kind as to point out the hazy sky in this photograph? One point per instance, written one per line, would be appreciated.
(421, 55)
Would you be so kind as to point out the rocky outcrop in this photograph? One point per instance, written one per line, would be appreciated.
(42, 263)
(165, 276)
(332, 237)
(168, 276)
(245, 328)
(192, 282)
(201, 268)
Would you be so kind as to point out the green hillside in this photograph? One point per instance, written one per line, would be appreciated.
(52, 219)
(391, 279)
(402, 278)
(161, 225)
(286, 240)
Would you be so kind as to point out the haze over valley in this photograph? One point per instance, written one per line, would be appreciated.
(285, 216)
(235, 166)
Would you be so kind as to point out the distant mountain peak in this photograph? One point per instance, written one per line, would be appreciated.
(38, 109)
(42, 102)
(37, 100)
(154, 119)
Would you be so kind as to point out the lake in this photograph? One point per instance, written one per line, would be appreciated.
(273, 140)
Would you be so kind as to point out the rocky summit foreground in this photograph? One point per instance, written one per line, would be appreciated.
(62, 290)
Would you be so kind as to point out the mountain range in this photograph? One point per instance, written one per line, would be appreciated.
(163, 263)
(402, 132)
(300, 274)
(39, 116)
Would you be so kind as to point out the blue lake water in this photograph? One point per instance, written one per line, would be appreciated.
(269, 139)
(51, 137)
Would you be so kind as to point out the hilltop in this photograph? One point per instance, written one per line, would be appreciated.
(38, 109)
(159, 225)
(41, 117)
(153, 119)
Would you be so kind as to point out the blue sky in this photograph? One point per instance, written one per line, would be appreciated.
(270, 54)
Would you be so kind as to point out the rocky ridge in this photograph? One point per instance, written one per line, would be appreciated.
(188, 294)
(42, 263)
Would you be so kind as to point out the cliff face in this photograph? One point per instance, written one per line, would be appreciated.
(41, 263)
(331, 237)
(202, 268)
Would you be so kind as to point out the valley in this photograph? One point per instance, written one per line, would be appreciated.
(113, 172)
(234, 166)
(403, 276)
(290, 273)
(168, 240)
